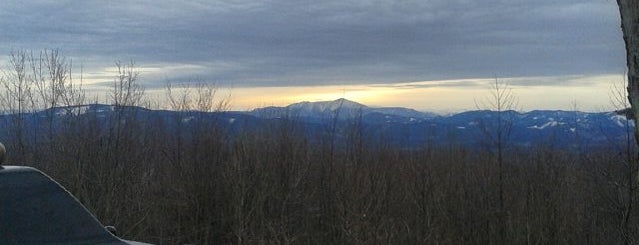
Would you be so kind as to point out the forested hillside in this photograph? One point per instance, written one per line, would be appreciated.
(208, 183)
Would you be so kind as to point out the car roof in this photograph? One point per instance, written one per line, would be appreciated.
(34, 209)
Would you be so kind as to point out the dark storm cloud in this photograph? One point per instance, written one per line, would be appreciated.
(299, 42)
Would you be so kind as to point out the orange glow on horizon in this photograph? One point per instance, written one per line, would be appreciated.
(590, 94)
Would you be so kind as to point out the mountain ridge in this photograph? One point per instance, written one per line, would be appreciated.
(344, 108)
(398, 126)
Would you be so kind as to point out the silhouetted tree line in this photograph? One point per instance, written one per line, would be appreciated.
(159, 182)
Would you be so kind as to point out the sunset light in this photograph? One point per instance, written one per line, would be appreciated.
(319, 122)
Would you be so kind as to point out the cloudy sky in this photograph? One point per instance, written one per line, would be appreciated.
(435, 55)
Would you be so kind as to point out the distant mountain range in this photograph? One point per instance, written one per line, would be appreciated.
(401, 127)
(342, 108)
(411, 128)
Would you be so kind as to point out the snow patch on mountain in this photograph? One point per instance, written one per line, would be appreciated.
(620, 120)
(552, 123)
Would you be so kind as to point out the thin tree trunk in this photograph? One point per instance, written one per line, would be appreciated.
(629, 11)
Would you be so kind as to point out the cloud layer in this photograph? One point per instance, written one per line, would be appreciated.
(332, 42)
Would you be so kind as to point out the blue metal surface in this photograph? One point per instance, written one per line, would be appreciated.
(34, 209)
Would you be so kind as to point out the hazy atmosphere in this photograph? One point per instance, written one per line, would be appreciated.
(436, 55)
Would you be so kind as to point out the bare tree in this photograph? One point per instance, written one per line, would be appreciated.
(50, 72)
(627, 180)
(17, 85)
(126, 90)
(629, 11)
(498, 132)
(17, 98)
(52, 77)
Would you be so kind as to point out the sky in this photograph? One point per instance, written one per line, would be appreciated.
(434, 55)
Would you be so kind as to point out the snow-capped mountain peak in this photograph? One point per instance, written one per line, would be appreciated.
(343, 108)
(327, 106)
